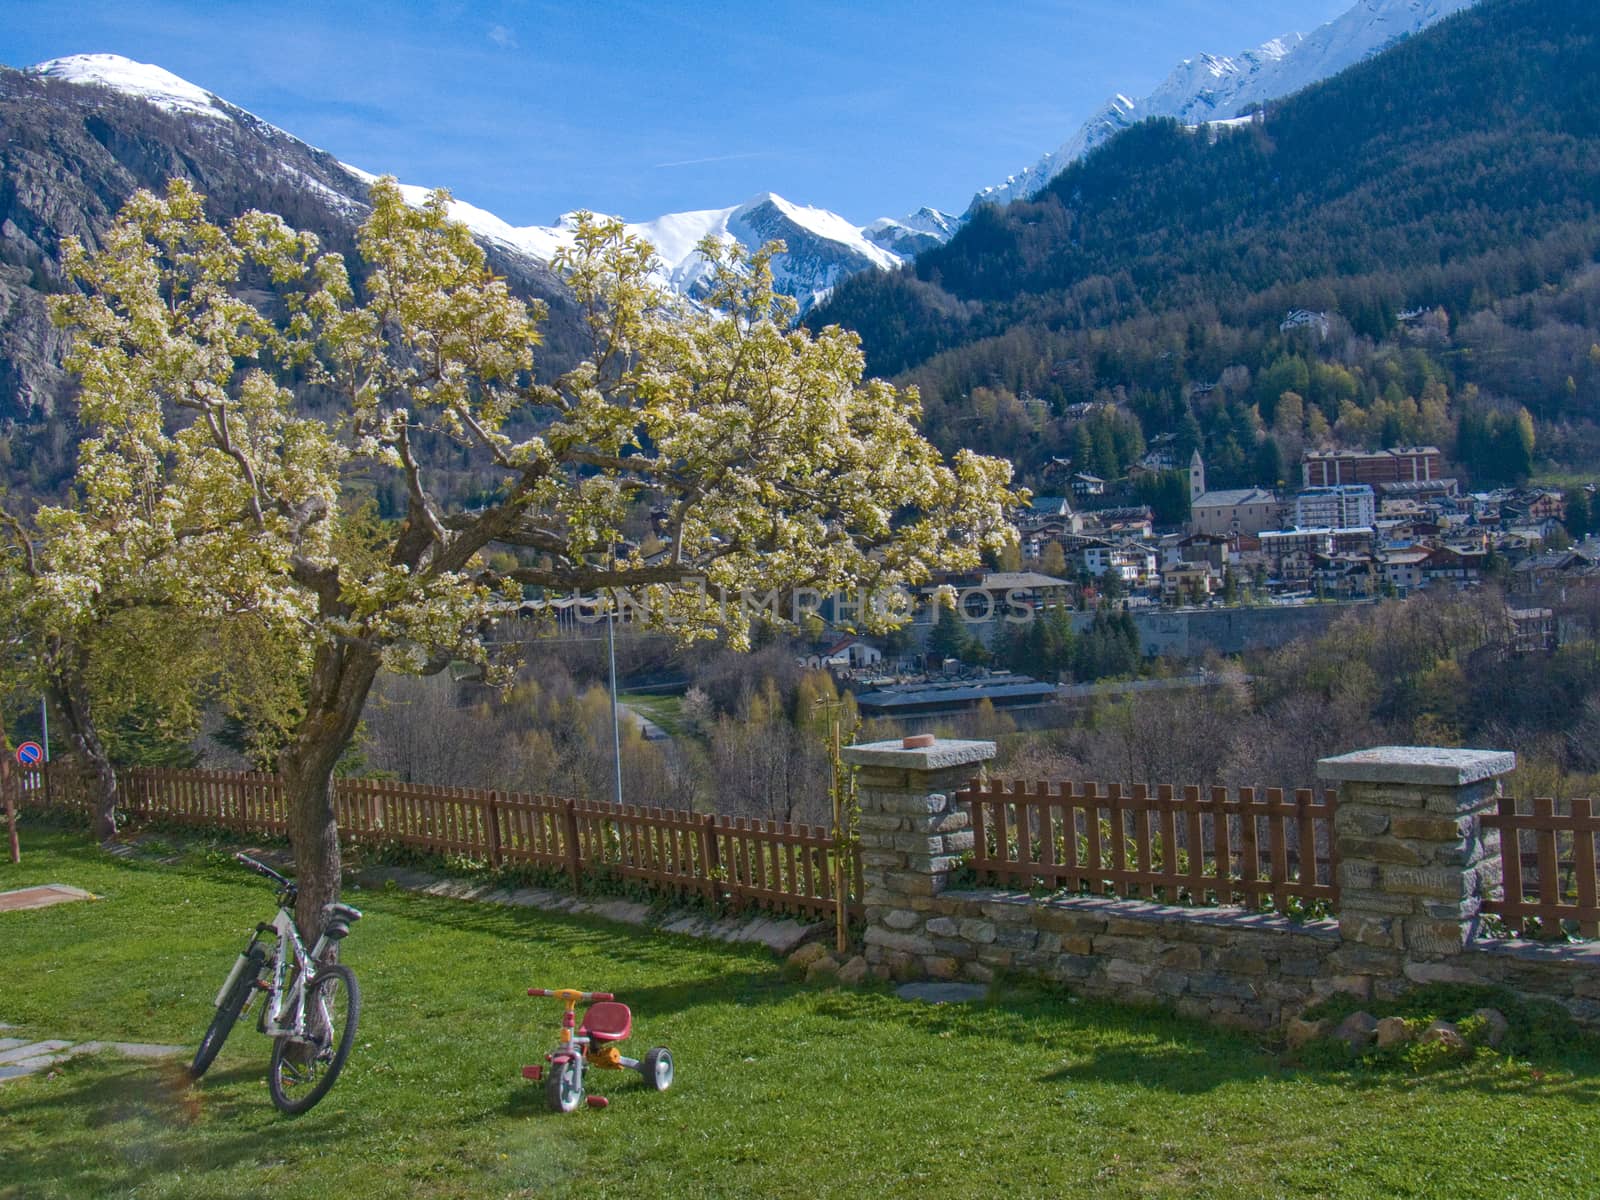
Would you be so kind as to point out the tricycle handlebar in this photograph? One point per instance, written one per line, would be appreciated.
(571, 994)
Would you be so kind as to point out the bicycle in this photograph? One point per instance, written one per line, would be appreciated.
(311, 1007)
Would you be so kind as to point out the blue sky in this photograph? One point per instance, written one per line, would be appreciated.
(532, 109)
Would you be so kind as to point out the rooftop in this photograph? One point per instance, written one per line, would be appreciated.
(1234, 498)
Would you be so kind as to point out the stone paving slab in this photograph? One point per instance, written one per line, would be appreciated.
(26, 1058)
(781, 935)
(130, 1049)
(28, 1050)
(943, 993)
(41, 897)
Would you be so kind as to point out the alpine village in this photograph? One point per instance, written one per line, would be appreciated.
(1095, 694)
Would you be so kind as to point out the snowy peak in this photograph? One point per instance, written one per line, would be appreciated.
(144, 80)
(1213, 88)
(823, 247)
(911, 235)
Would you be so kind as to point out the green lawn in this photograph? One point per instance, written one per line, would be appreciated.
(782, 1090)
(665, 710)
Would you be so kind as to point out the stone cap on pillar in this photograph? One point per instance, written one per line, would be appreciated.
(942, 755)
(1425, 766)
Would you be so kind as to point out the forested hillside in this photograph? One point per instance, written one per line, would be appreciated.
(1406, 252)
(70, 156)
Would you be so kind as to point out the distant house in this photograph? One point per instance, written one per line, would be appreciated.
(1435, 490)
(1085, 485)
(1133, 522)
(1539, 571)
(1277, 544)
(1532, 630)
(847, 652)
(1048, 516)
(1028, 587)
(1344, 506)
(1132, 562)
(1344, 575)
(1181, 580)
(1049, 506)
(1457, 568)
(1533, 507)
(1002, 691)
(1402, 569)
(1329, 468)
(984, 600)
(1201, 548)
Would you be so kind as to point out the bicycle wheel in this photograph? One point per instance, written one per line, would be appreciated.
(228, 1013)
(303, 1069)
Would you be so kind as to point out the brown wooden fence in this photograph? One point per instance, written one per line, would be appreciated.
(1211, 847)
(737, 860)
(1550, 876)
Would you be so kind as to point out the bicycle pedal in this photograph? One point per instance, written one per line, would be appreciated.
(597, 1102)
(534, 1072)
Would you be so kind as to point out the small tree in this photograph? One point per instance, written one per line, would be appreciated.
(1052, 559)
(949, 636)
(94, 598)
(778, 468)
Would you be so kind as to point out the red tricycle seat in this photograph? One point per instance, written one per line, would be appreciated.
(606, 1021)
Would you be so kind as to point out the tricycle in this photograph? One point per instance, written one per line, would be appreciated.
(593, 1043)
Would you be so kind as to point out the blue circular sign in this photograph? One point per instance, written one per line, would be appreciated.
(30, 754)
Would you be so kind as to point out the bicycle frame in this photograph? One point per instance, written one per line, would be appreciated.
(288, 948)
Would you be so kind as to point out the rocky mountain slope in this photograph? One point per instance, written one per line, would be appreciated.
(70, 155)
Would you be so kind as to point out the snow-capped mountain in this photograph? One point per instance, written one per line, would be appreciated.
(823, 247)
(1213, 88)
(144, 80)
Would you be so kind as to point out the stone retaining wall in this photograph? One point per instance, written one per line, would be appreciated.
(1415, 863)
(1246, 970)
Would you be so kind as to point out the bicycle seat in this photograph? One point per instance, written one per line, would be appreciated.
(337, 919)
(606, 1021)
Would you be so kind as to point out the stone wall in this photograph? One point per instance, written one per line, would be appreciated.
(1245, 970)
(1194, 632)
(1415, 864)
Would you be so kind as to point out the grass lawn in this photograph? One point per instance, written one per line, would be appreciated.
(665, 710)
(783, 1090)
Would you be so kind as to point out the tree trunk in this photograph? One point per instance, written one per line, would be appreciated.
(69, 695)
(341, 677)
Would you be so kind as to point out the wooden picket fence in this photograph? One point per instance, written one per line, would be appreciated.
(1191, 846)
(738, 861)
(1547, 864)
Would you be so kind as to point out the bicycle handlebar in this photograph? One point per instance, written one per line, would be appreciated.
(262, 869)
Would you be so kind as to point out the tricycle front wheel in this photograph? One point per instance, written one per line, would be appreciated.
(563, 1085)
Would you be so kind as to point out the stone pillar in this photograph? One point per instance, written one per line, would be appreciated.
(1415, 862)
(912, 834)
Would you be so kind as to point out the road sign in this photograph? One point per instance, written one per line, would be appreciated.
(30, 754)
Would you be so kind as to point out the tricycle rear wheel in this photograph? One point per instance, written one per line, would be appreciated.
(657, 1068)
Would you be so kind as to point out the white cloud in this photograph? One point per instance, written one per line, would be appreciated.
(502, 37)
